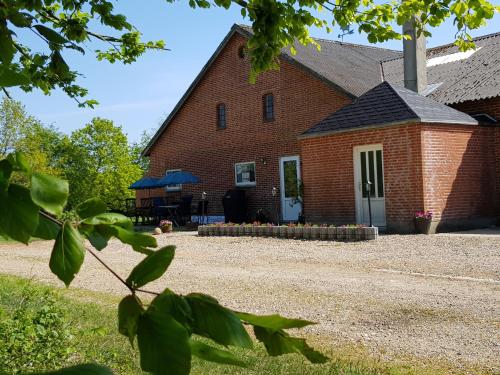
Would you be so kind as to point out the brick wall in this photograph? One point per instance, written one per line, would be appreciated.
(328, 174)
(191, 142)
(491, 107)
(458, 173)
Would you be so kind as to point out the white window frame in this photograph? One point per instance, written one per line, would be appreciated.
(171, 188)
(245, 184)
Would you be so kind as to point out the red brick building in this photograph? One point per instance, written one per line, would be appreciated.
(233, 134)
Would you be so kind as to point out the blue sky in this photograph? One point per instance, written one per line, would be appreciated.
(139, 96)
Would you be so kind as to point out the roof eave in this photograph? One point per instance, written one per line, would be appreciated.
(385, 125)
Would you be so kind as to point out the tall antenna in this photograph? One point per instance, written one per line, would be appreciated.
(345, 30)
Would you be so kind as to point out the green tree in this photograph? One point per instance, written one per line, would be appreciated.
(98, 162)
(22, 132)
(69, 24)
(139, 146)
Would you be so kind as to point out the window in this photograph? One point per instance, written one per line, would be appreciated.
(268, 106)
(177, 187)
(221, 116)
(241, 52)
(245, 174)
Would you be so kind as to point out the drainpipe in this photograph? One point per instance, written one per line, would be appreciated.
(415, 59)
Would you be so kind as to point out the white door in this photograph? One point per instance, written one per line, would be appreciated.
(369, 177)
(290, 188)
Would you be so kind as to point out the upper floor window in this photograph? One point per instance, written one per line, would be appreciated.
(268, 107)
(221, 116)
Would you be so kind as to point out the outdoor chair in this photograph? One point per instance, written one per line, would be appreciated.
(145, 211)
(158, 211)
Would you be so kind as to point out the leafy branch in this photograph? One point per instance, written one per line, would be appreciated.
(167, 329)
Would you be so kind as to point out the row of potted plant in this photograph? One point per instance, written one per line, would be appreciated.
(296, 231)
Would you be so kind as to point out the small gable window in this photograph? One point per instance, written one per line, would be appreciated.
(221, 116)
(268, 107)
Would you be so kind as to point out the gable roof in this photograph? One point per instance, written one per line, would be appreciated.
(455, 77)
(388, 104)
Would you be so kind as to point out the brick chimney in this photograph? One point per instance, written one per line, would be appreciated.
(414, 50)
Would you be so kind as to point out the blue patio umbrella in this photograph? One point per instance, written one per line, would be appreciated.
(177, 178)
(146, 183)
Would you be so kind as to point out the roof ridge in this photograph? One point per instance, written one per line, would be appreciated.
(475, 39)
(401, 98)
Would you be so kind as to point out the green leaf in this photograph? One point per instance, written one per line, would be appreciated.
(209, 353)
(86, 369)
(49, 192)
(6, 44)
(140, 242)
(129, 311)
(5, 173)
(9, 78)
(175, 305)
(273, 322)
(91, 207)
(47, 229)
(98, 239)
(214, 321)
(68, 254)
(107, 218)
(18, 213)
(163, 344)
(51, 35)
(19, 162)
(279, 342)
(152, 267)
(20, 19)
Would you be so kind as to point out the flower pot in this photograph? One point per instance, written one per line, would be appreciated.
(323, 233)
(299, 232)
(232, 231)
(202, 230)
(306, 233)
(332, 233)
(342, 233)
(275, 231)
(423, 225)
(315, 231)
(241, 230)
(268, 231)
(290, 232)
(283, 231)
(248, 230)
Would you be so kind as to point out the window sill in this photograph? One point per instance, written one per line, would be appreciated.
(246, 185)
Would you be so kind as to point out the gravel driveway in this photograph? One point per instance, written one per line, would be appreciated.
(431, 297)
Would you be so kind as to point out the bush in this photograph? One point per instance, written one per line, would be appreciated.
(34, 335)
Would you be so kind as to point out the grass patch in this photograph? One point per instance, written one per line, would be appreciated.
(90, 318)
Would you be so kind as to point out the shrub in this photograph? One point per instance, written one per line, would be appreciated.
(34, 335)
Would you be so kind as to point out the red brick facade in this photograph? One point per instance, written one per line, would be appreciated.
(447, 169)
(192, 142)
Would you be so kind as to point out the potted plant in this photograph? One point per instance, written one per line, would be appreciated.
(276, 231)
(323, 232)
(248, 229)
(342, 233)
(299, 231)
(315, 232)
(268, 230)
(202, 230)
(241, 230)
(306, 232)
(166, 226)
(236, 230)
(283, 231)
(423, 220)
(332, 233)
(255, 228)
(290, 230)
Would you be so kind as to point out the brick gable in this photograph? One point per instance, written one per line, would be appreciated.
(192, 142)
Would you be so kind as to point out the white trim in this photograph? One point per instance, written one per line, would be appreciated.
(357, 175)
(173, 188)
(282, 178)
(245, 184)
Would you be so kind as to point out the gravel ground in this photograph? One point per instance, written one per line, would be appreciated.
(431, 297)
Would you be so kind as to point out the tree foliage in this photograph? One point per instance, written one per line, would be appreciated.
(98, 162)
(64, 25)
(166, 329)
